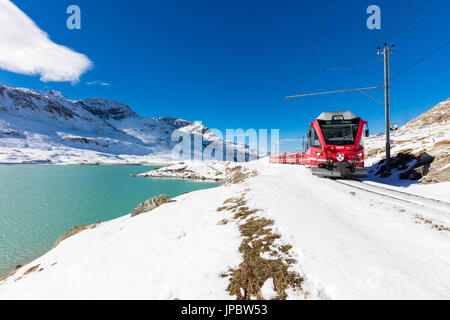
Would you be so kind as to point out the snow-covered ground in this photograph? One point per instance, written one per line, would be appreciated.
(200, 170)
(347, 243)
(175, 252)
(355, 246)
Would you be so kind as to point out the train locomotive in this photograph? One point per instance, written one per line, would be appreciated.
(334, 146)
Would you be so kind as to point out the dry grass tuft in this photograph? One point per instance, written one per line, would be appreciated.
(439, 227)
(244, 212)
(259, 239)
(73, 231)
(222, 222)
(31, 270)
(238, 175)
(441, 143)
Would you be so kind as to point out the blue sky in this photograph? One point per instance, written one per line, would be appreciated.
(231, 63)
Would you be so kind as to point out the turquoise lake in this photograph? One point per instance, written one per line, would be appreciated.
(38, 203)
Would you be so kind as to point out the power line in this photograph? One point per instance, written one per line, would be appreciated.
(406, 18)
(386, 51)
(421, 59)
(369, 67)
(369, 48)
(416, 63)
(328, 92)
(316, 44)
(362, 56)
(414, 23)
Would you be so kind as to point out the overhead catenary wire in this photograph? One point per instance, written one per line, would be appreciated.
(404, 31)
(421, 59)
(374, 62)
(406, 18)
(410, 25)
(373, 44)
(316, 43)
(418, 19)
(328, 92)
(416, 63)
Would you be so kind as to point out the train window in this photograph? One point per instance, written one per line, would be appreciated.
(315, 142)
(340, 134)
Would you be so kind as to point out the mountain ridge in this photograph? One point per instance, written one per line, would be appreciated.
(46, 126)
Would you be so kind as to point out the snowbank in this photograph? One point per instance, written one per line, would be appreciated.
(347, 244)
(176, 251)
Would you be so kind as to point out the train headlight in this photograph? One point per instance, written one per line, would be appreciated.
(360, 154)
(319, 154)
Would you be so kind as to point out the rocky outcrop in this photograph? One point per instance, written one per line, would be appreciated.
(439, 170)
(410, 166)
(150, 204)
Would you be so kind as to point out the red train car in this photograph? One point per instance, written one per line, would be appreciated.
(334, 147)
(278, 159)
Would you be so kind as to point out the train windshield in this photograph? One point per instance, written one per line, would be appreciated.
(340, 134)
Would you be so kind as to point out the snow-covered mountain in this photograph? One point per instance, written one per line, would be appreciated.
(45, 126)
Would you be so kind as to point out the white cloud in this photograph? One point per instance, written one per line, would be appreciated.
(26, 49)
(91, 83)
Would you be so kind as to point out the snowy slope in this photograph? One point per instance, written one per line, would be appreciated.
(38, 126)
(347, 243)
(429, 133)
(419, 135)
(166, 254)
(356, 245)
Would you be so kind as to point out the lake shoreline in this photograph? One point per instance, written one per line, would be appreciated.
(198, 179)
(26, 261)
(159, 164)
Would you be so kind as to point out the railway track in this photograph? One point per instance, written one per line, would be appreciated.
(429, 203)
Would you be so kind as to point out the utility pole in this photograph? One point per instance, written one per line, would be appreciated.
(386, 53)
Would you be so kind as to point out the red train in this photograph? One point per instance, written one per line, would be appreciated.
(334, 146)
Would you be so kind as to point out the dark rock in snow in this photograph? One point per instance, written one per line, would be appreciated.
(424, 159)
(150, 204)
(403, 161)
